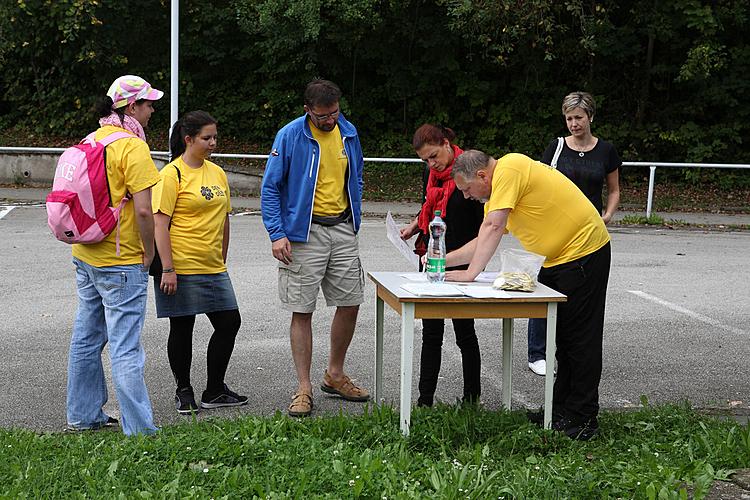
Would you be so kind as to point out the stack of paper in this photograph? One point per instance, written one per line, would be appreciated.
(484, 292)
(420, 277)
(433, 289)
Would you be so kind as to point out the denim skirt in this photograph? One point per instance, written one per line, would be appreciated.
(196, 294)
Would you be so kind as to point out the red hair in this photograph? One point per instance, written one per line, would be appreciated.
(431, 134)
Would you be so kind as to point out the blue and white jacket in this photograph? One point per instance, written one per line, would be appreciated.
(291, 176)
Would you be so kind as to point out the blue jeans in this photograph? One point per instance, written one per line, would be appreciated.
(537, 339)
(111, 308)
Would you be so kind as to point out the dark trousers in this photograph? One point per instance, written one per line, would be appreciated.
(537, 339)
(580, 329)
(432, 347)
(180, 347)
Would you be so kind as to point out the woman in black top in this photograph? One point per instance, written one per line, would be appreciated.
(462, 219)
(589, 162)
(586, 160)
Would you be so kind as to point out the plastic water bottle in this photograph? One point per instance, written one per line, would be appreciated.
(436, 250)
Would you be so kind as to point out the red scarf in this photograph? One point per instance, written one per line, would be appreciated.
(440, 187)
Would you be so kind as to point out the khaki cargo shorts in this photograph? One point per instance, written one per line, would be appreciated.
(329, 260)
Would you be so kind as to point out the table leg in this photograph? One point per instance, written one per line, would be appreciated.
(407, 352)
(507, 361)
(378, 349)
(549, 378)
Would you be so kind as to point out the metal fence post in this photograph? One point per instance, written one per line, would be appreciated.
(174, 65)
(649, 202)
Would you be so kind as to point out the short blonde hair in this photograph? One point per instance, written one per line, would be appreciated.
(579, 99)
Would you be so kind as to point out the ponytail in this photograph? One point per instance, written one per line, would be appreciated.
(176, 141)
(103, 108)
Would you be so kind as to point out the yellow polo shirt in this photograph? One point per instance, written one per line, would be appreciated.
(549, 215)
(330, 197)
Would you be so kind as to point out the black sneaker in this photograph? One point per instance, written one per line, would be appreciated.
(111, 422)
(580, 431)
(537, 417)
(225, 398)
(185, 400)
(425, 402)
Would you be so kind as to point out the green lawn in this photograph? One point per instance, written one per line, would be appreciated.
(662, 452)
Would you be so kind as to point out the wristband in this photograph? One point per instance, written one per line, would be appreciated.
(170, 270)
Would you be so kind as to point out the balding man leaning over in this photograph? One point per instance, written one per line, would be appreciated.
(550, 216)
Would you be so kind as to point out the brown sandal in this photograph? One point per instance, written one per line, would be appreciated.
(344, 387)
(302, 405)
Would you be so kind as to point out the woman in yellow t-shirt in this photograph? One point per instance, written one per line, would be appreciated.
(191, 217)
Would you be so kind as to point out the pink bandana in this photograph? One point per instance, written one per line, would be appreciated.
(128, 123)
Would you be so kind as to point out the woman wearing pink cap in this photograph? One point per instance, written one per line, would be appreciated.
(112, 285)
(129, 104)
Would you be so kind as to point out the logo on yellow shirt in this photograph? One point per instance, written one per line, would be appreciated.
(208, 192)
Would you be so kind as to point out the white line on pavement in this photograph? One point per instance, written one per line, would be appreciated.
(5, 211)
(688, 312)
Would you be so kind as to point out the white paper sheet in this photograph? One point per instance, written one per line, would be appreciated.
(487, 277)
(394, 235)
(418, 277)
(484, 292)
(433, 289)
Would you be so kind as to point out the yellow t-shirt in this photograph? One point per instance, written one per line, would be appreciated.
(330, 197)
(198, 205)
(549, 215)
(130, 169)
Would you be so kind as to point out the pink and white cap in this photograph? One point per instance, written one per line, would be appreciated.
(131, 88)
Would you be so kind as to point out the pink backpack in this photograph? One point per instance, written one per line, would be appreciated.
(78, 208)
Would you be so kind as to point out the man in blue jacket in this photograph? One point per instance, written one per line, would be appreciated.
(311, 201)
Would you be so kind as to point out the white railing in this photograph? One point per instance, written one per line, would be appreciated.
(652, 174)
(651, 178)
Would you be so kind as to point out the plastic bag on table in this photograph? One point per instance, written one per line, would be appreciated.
(518, 271)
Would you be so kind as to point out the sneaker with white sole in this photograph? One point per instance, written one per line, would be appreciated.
(109, 423)
(226, 397)
(185, 401)
(539, 367)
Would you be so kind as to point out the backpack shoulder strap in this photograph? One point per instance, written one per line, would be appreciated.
(560, 143)
(114, 137)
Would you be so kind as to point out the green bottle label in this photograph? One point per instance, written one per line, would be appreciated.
(435, 265)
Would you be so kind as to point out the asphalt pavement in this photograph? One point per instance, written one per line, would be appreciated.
(676, 326)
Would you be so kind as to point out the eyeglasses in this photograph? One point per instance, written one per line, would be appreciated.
(323, 118)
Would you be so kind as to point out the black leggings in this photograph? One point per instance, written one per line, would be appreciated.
(429, 367)
(180, 347)
(432, 351)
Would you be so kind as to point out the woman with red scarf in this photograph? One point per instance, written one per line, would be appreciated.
(462, 217)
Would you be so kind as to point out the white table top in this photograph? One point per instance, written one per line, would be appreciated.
(392, 282)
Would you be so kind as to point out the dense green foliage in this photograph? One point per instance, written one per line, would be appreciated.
(452, 453)
(670, 78)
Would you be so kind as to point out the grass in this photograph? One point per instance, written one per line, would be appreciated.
(393, 182)
(652, 220)
(453, 452)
